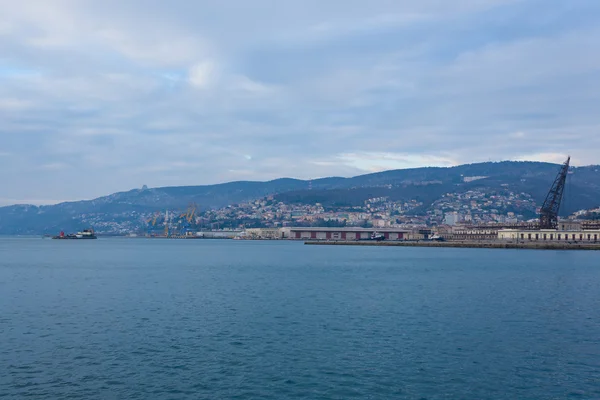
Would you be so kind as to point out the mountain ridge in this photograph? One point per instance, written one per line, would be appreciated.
(426, 183)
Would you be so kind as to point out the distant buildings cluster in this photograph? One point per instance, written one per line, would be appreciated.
(470, 208)
(483, 207)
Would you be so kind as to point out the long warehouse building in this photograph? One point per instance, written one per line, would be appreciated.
(310, 233)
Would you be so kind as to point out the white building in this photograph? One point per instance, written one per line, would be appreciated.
(267, 233)
(451, 218)
(592, 236)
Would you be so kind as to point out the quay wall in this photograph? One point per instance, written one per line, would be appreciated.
(465, 244)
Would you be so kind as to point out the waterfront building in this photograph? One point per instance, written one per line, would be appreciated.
(592, 236)
(267, 233)
(313, 233)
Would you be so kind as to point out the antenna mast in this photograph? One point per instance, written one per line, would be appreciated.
(549, 211)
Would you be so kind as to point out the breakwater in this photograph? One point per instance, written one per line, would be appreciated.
(466, 244)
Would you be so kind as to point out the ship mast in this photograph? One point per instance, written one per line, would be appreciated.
(167, 223)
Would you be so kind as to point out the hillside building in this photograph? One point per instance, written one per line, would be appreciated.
(451, 218)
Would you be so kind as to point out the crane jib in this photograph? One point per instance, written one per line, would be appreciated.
(551, 206)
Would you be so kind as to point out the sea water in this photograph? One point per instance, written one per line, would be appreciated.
(224, 319)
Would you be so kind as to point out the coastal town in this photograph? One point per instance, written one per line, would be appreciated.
(470, 207)
(476, 213)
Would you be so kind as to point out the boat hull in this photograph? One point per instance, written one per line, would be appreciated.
(68, 237)
(83, 235)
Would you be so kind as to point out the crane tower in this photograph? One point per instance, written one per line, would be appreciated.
(549, 211)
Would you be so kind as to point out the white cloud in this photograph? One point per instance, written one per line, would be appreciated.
(556, 158)
(203, 74)
(184, 93)
(245, 84)
(156, 48)
(54, 166)
(376, 162)
(32, 201)
(14, 104)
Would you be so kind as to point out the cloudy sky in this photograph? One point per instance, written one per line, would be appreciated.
(105, 96)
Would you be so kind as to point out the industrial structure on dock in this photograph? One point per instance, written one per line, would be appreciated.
(549, 227)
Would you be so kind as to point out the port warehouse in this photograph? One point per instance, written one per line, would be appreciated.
(315, 233)
(351, 234)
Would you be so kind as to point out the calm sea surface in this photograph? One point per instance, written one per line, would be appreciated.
(210, 319)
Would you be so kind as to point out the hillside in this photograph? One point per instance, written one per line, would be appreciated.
(424, 184)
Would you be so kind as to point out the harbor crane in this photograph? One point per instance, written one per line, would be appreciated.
(152, 220)
(191, 213)
(187, 219)
(551, 206)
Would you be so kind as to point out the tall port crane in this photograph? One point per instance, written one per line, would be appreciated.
(191, 213)
(156, 215)
(187, 220)
(549, 212)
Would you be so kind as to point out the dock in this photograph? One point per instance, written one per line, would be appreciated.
(464, 244)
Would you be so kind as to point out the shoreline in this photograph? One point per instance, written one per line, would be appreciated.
(472, 244)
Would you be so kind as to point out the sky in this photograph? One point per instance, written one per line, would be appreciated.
(104, 96)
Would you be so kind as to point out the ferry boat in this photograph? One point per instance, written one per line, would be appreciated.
(436, 238)
(378, 237)
(85, 234)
